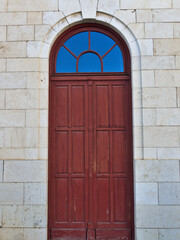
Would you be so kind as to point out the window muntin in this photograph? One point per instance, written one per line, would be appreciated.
(89, 51)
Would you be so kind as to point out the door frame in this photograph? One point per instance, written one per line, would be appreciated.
(126, 75)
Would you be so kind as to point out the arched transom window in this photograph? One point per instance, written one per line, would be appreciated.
(89, 51)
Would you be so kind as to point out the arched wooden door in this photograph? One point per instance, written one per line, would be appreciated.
(90, 136)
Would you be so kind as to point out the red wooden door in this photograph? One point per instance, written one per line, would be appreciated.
(90, 159)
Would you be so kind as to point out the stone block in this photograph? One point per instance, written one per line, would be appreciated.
(157, 171)
(137, 117)
(25, 171)
(103, 17)
(35, 193)
(88, 8)
(159, 97)
(69, 7)
(37, 80)
(167, 47)
(149, 117)
(0, 216)
(34, 5)
(177, 62)
(137, 98)
(37, 49)
(144, 15)
(2, 137)
(35, 118)
(11, 234)
(23, 65)
(178, 96)
(12, 49)
(147, 234)
(161, 137)
(141, 4)
(150, 153)
(158, 217)
(158, 62)
(3, 6)
(176, 30)
(146, 46)
(13, 18)
(24, 216)
(22, 99)
(166, 15)
(43, 137)
(137, 137)
(176, 4)
(34, 18)
(137, 29)
(2, 33)
(21, 153)
(169, 193)
(2, 99)
(148, 78)
(168, 117)
(20, 33)
(167, 78)
(108, 6)
(2, 65)
(24, 137)
(43, 99)
(126, 16)
(12, 80)
(35, 234)
(168, 153)
(51, 18)
(41, 31)
(146, 193)
(12, 118)
(75, 17)
(158, 30)
(11, 193)
(169, 234)
(1, 170)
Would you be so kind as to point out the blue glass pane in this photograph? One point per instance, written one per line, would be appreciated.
(113, 61)
(78, 43)
(65, 61)
(101, 43)
(89, 62)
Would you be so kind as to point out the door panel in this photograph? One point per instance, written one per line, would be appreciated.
(90, 175)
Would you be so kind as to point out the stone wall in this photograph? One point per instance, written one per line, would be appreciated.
(28, 29)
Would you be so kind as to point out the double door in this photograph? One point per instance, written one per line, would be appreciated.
(90, 160)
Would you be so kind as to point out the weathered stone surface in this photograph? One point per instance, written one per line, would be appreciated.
(176, 4)
(43, 99)
(12, 80)
(169, 234)
(23, 65)
(3, 6)
(158, 217)
(137, 29)
(24, 216)
(34, 18)
(2, 33)
(2, 137)
(167, 47)
(177, 30)
(126, 16)
(159, 97)
(166, 15)
(160, 137)
(167, 78)
(69, 7)
(11, 233)
(144, 15)
(2, 99)
(88, 8)
(148, 78)
(35, 234)
(169, 193)
(1, 171)
(52, 17)
(168, 153)
(12, 118)
(21, 153)
(35, 118)
(157, 170)
(178, 96)
(168, 117)
(146, 46)
(35, 193)
(147, 234)
(41, 31)
(158, 62)
(147, 193)
(25, 171)
(11, 50)
(149, 117)
(13, 18)
(159, 30)
(19, 33)
(22, 99)
(11, 193)
(2, 65)
(141, 4)
(108, 6)
(150, 153)
(34, 5)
